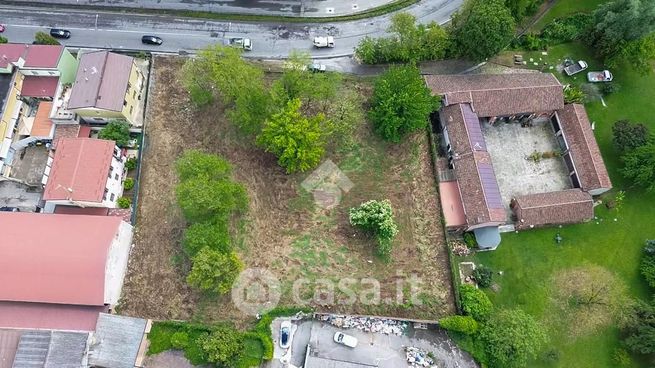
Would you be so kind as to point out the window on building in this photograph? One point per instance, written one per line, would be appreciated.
(116, 176)
(111, 197)
(134, 94)
(124, 102)
(131, 109)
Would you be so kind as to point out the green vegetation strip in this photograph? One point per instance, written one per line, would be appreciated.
(370, 13)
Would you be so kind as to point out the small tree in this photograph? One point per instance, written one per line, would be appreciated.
(482, 28)
(194, 163)
(639, 166)
(511, 337)
(297, 141)
(117, 131)
(647, 267)
(128, 184)
(462, 324)
(376, 217)
(124, 202)
(223, 346)
(131, 162)
(42, 38)
(202, 199)
(213, 271)
(3, 39)
(213, 235)
(401, 103)
(475, 302)
(628, 136)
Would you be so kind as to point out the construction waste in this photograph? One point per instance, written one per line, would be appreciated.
(418, 358)
(366, 324)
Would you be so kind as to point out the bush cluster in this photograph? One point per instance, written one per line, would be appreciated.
(376, 217)
(483, 276)
(561, 30)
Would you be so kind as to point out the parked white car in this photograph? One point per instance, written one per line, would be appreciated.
(343, 339)
(323, 41)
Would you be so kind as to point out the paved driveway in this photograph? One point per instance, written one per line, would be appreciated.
(385, 351)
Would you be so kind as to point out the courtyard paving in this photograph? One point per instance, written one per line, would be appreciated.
(510, 147)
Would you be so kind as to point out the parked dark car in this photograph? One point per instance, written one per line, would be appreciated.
(9, 209)
(60, 33)
(151, 40)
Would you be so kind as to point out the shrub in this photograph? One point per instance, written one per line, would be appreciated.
(463, 324)
(223, 346)
(195, 163)
(376, 217)
(621, 358)
(647, 269)
(573, 95)
(42, 38)
(567, 29)
(180, 340)
(3, 39)
(130, 164)
(117, 131)
(483, 276)
(128, 184)
(475, 302)
(628, 136)
(214, 235)
(214, 272)
(124, 202)
(469, 239)
(609, 88)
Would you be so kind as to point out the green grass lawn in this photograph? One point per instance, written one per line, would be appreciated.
(566, 7)
(530, 259)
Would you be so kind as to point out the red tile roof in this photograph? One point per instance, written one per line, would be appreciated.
(101, 81)
(552, 208)
(65, 131)
(584, 150)
(500, 94)
(43, 56)
(40, 87)
(49, 316)
(10, 53)
(79, 170)
(42, 126)
(48, 258)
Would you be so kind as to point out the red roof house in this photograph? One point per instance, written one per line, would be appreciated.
(39, 87)
(55, 267)
(82, 171)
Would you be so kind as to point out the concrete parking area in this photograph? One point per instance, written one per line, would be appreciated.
(373, 349)
(15, 194)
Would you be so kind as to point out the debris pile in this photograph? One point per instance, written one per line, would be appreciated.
(418, 358)
(366, 324)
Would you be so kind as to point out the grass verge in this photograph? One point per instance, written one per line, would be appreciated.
(370, 13)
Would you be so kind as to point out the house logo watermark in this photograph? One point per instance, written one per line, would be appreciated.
(256, 291)
(327, 184)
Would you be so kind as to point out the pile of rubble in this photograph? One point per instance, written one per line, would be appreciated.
(418, 358)
(366, 324)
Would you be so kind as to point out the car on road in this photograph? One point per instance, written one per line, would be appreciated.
(323, 41)
(316, 68)
(151, 40)
(241, 43)
(285, 334)
(9, 209)
(2, 28)
(343, 339)
(60, 33)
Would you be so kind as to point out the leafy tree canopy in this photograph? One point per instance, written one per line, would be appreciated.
(482, 28)
(195, 163)
(296, 140)
(42, 38)
(401, 103)
(202, 199)
(117, 131)
(475, 302)
(213, 235)
(639, 166)
(213, 271)
(512, 337)
(223, 346)
(628, 136)
(619, 22)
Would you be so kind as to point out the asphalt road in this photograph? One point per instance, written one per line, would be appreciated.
(180, 35)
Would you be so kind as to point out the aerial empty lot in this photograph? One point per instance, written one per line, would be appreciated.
(284, 232)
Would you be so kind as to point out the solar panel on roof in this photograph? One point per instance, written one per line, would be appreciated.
(473, 127)
(490, 186)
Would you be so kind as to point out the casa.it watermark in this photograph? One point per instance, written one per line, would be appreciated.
(257, 291)
(327, 184)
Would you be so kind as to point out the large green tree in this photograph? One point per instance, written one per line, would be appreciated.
(620, 22)
(224, 346)
(213, 271)
(297, 141)
(482, 28)
(639, 166)
(401, 103)
(213, 235)
(627, 136)
(194, 163)
(511, 337)
(117, 131)
(639, 328)
(202, 199)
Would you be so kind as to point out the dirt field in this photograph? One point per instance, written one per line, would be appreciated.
(283, 232)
